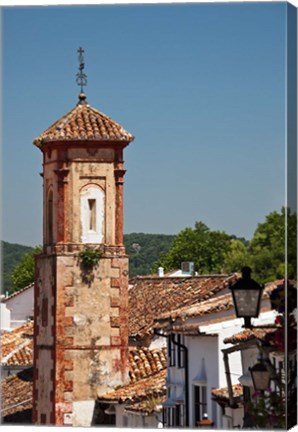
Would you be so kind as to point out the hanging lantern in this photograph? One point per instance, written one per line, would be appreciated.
(260, 376)
(247, 294)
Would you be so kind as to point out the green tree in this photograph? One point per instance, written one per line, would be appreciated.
(23, 273)
(236, 257)
(268, 245)
(11, 255)
(144, 250)
(204, 247)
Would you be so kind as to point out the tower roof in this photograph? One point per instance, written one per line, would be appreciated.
(84, 123)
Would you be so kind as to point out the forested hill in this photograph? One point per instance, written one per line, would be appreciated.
(11, 255)
(143, 251)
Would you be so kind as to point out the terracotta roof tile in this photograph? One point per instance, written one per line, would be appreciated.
(148, 380)
(216, 304)
(148, 405)
(17, 346)
(153, 386)
(144, 362)
(150, 297)
(223, 393)
(84, 123)
(16, 393)
(249, 334)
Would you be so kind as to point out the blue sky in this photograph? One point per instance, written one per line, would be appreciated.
(201, 86)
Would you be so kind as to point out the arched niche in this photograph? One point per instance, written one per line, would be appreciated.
(92, 208)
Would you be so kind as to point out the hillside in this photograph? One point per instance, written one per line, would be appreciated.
(11, 255)
(143, 251)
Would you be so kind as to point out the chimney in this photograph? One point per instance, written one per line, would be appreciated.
(160, 272)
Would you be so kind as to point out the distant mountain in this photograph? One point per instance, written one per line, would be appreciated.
(143, 250)
(11, 255)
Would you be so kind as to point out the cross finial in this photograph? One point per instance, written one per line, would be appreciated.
(81, 76)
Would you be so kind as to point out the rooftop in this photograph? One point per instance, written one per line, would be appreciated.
(147, 389)
(84, 123)
(222, 394)
(151, 297)
(17, 346)
(152, 387)
(249, 334)
(216, 304)
(17, 293)
(144, 362)
(16, 393)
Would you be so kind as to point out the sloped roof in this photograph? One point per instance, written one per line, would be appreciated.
(212, 305)
(249, 334)
(16, 393)
(17, 346)
(152, 297)
(222, 394)
(144, 362)
(17, 293)
(148, 405)
(153, 386)
(84, 123)
(147, 389)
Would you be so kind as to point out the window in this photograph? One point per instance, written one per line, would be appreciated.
(92, 214)
(200, 402)
(171, 352)
(181, 352)
(174, 416)
(176, 353)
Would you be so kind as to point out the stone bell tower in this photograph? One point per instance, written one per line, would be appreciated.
(81, 311)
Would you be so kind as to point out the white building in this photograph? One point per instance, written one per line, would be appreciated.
(19, 306)
(196, 365)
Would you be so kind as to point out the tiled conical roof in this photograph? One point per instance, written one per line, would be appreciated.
(84, 123)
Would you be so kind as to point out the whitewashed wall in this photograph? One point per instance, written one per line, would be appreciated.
(135, 420)
(21, 307)
(5, 317)
(203, 354)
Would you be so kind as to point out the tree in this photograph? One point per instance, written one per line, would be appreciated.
(23, 273)
(10, 257)
(204, 247)
(236, 257)
(144, 250)
(268, 245)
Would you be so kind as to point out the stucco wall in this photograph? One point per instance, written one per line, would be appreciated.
(203, 354)
(136, 420)
(21, 307)
(5, 317)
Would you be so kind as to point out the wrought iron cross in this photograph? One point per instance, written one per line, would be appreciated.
(81, 76)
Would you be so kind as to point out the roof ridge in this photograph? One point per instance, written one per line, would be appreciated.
(15, 293)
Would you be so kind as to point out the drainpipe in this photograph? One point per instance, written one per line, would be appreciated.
(180, 345)
(229, 381)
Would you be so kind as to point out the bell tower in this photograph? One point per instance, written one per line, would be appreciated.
(81, 277)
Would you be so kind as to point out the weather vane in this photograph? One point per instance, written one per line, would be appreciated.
(81, 76)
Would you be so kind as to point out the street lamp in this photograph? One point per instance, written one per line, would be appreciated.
(260, 376)
(247, 294)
